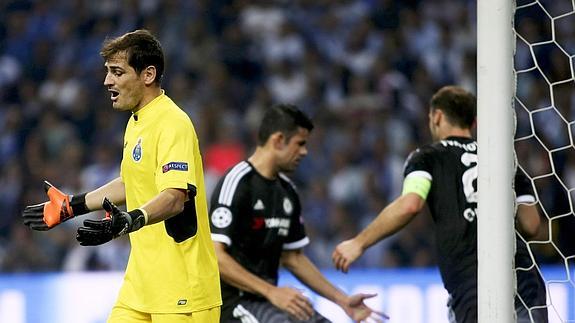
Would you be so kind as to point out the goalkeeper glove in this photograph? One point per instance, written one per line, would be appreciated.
(115, 224)
(60, 207)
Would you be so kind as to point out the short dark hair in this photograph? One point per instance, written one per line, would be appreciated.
(285, 118)
(142, 50)
(459, 105)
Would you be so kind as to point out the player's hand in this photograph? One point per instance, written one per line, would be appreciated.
(345, 254)
(115, 224)
(358, 311)
(47, 215)
(292, 301)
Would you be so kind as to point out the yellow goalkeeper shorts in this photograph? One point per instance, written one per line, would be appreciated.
(124, 314)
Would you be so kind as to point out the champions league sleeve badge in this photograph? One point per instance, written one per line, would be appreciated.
(221, 217)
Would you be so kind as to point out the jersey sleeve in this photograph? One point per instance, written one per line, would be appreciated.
(297, 237)
(418, 174)
(175, 159)
(227, 205)
(523, 188)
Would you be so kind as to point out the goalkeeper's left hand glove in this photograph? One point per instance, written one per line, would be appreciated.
(60, 207)
(115, 224)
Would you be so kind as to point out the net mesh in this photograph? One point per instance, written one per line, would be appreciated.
(544, 105)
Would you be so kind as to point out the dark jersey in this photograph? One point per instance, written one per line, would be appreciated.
(257, 219)
(451, 165)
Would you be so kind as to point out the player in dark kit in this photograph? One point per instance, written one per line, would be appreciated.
(257, 225)
(444, 175)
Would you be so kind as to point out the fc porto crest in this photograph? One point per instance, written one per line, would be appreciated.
(137, 151)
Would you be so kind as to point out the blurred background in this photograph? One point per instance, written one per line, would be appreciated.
(364, 70)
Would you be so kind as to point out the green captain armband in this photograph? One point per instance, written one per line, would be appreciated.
(416, 184)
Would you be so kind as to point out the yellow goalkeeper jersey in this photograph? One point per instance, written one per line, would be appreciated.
(172, 266)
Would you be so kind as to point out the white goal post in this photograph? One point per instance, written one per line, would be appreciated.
(495, 119)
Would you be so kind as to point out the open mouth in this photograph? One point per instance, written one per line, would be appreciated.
(114, 94)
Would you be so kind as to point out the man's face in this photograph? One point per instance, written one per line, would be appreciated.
(126, 87)
(293, 151)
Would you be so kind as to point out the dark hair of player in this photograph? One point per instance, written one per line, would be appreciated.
(457, 104)
(142, 50)
(285, 118)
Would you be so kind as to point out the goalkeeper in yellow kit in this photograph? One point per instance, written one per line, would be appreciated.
(172, 274)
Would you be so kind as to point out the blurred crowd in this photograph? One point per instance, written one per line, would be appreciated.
(364, 70)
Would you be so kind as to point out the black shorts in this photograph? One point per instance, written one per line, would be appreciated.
(462, 308)
(253, 311)
(529, 303)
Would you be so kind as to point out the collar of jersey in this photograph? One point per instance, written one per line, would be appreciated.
(269, 180)
(147, 109)
(459, 138)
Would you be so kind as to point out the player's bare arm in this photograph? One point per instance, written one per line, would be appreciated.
(165, 205)
(392, 219)
(287, 299)
(115, 191)
(299, 264)
(528, 221)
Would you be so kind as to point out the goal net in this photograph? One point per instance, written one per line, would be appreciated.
(544, 98)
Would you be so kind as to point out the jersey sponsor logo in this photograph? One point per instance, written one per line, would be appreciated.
(221, 217)
(259, 205)
(288, 206)
(137, 151)
(258, 223)
(281, 223)
(181, 166)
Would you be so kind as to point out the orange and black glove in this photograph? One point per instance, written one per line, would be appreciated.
(115, 224)
(60, 207)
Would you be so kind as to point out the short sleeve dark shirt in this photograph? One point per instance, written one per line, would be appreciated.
(257, 218)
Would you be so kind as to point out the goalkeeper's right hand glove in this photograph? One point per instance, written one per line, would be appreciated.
(60, 207)
(115, 224)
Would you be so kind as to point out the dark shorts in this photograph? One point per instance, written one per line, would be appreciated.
(468, 314)
(531, 299)
(463, 307)
(255, 311)
(529, 303)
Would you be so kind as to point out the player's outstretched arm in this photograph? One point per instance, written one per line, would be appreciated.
(114, 190)
(300, 265)
(59, 208)
(392, 219)
(166, 204)
(288, 299)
